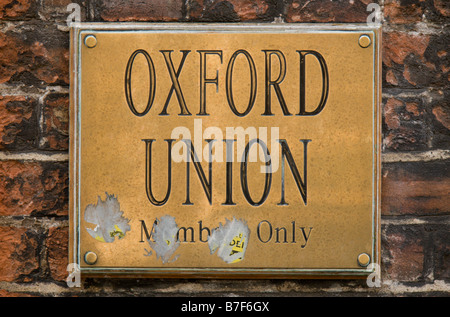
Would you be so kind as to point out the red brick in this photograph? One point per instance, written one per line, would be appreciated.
(391, 78)
(10, 51)
(228, 11)
(55, 132)
(398, 45)
(55, 65)
(34, 55)
(396, 12)
(18, 123)
(419, 188)
(140, 10)
(416, 120)
(33, 188)
(442, 7)
(403, 254)
(248, 10)
(440, 118)
(47, 10)
(441, 252)
(328, 11)
(17, 9)
(414, 11)
(406, 124)
(415, 60)
(57, 248)
(18, 254)
(442, 115)
(56, 10)
(4, 293)
(21, 187)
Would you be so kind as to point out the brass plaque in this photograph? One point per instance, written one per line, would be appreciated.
(225, 150)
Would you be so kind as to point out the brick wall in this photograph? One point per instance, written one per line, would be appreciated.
(34, 86)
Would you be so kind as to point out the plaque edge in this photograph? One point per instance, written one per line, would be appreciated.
(76, 30)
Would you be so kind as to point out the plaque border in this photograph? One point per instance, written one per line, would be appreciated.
(77, 30)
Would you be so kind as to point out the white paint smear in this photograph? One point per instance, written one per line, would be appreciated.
(230, 240)
(165, 238)
(107, 217)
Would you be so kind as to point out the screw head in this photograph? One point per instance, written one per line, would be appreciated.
(363, 259)
(364, 41)
(90, 41)
(90, 258)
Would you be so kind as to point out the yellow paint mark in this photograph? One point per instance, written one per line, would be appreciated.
(99, 239)
(238, 246)
(117, 231)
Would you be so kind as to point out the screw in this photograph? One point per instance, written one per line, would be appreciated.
(363, 259)
(90, 41)
(364, 41)
(90, 258)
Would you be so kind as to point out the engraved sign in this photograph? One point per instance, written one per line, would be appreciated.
(237, 150)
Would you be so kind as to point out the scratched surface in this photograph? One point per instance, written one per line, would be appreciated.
(238, 217)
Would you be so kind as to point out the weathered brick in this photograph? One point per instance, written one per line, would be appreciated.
(57, 250)
(10, 50)
(4, 293)
(56, 10)
(139, 10)
(18, 123)
(441, 120)
(21, 187)
(33, 188)
(17, 9)
(406, 124)
(18, 254)
(442, 8)
(413, 11)
(442, 115)
(229, 11)
(55, 130)
(34, 55)
(46, 10)
(249, 10)
(328, 11)
(440, 246)
(416, 188)
(415, 60)
(395, 11)
(416, 120)
(403, 253)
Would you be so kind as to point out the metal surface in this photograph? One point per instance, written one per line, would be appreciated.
(90, 258)
(90, 41)
(363, 259)
(364, 41)
(307, 97)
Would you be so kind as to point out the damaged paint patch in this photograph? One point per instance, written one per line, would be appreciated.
(107, 217)
(165, 238)
(230, 241)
